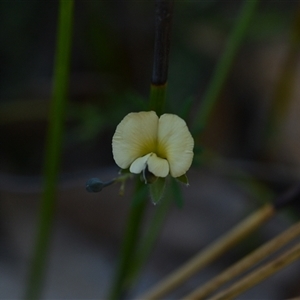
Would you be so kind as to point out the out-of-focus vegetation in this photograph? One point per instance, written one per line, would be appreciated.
(254, 122)
(111, 69)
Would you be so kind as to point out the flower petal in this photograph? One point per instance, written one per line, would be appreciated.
(135, 136)
(139, 164)
(175, 143)
(158, 166)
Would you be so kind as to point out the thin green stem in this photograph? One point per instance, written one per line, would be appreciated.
(163, 18)
(150, 237)
(158, 98)
(53, 150)
(163, 24)
(130, 240)
(224, 65)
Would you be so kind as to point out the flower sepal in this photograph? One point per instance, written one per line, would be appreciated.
(183, 179)
(157, 190)
(124, 171)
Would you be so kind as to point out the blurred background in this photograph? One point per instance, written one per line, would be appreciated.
(250, 148)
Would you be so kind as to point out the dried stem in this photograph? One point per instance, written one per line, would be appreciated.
(163, 22)
(210, 253)
(260, 274)
(246, 263)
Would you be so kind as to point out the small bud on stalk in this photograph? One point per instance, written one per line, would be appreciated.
(95, 185)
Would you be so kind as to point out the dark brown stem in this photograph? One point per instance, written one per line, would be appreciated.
(163, 20)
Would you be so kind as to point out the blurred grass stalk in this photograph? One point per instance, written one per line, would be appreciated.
(53, 149)
(282, 94)
(224, 66)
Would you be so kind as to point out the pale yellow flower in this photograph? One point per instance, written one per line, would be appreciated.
(164, 144)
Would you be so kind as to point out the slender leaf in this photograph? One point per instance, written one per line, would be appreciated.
(53, 150)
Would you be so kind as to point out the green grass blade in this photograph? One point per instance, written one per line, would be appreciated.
(53, 150)
(224, 65)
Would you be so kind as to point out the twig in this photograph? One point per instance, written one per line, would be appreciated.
(163, 22)
(260, 274)
(210, 253)
(245, 263)
(224, 243)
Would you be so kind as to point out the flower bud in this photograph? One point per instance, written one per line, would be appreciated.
(94, 185)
